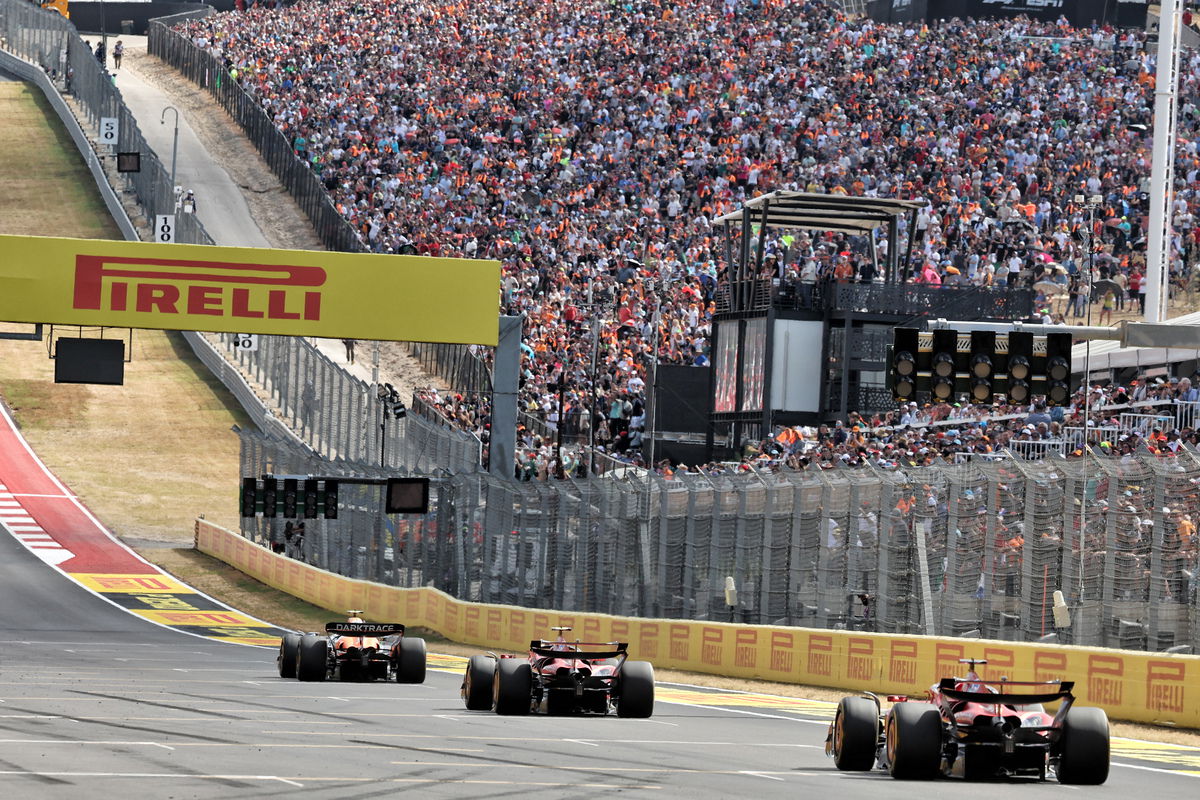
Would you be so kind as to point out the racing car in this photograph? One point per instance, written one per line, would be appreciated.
(971, 729)
(353, 651)
(561, 677)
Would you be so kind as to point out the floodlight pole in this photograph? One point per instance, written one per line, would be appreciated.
(652, 390)
(1162, 164)
(162, 120)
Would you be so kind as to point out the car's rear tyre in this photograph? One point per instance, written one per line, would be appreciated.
(855, 734)
(636, 687)
(914, 741)
(513, 687)
(312, 662)
(410, 661)
(289, 654)
(479, 683)
(1083, 757)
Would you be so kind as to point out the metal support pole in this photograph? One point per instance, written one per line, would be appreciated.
(1162, 164)
(162, 120)
(503, 443)
(652, 395)
(558, 432)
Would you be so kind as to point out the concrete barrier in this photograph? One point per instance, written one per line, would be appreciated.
(1130, 685)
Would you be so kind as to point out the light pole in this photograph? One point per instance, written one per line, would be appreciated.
(162, 120)
(652, 393)
(390, 406)
(1091, 203)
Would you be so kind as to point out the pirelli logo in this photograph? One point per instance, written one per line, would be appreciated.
(820, 654)
(163, 286)
(1165, 683)
(902, 666)
(1106, 679)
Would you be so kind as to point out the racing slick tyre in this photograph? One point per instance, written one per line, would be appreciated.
(312, 664)
(855, 734)
(289, 654)
(1084, 747)
(410, 661)
(914, 741)
(636, 686)
(514, 687)
(478, 683)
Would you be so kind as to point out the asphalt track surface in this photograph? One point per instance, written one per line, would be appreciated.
(98, 700)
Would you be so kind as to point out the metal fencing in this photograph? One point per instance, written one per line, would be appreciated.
(338, 417)
(975, 549)
(47, 39)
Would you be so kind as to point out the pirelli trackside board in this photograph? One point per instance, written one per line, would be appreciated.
(248, 290)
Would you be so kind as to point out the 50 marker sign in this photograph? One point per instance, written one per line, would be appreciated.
(245, 341)
(110, 130)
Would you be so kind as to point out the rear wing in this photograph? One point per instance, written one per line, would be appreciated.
(1061, 692)
(540, 647)
(365, 628)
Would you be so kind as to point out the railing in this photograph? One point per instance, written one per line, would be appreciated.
(948, 549)
(1145, 423)
(950, 302)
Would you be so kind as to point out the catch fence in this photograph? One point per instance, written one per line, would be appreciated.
(975, 549)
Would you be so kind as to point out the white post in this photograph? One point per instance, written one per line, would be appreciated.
(1162, 165)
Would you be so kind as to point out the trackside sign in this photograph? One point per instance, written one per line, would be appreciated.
(248, 290)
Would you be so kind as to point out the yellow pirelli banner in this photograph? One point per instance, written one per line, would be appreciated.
(1137, 686)
(95, 282)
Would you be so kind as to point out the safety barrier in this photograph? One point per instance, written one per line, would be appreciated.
(1141, 687)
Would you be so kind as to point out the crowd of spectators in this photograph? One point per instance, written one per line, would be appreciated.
(1164, 417)
(588, 146)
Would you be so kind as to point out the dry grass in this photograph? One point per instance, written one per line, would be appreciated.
(43, 175)
(147, 457)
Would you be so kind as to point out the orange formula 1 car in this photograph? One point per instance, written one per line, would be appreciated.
(353, 651)
(561, 677)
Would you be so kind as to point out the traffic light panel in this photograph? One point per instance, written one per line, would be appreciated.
(982, 367)
(1058, 367)
(251, 497)
(331, 499)
(270, 496)
(904, 363)
(943, 365)
(1019, 386)
(311, 496)
(291, 496)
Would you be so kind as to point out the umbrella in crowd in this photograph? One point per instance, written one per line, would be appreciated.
(1103, 287)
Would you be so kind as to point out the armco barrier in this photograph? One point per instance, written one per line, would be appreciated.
(1130, 685)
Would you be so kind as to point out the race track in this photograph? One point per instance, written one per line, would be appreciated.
(98, 701)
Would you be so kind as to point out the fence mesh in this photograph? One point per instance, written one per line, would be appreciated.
(975, 549)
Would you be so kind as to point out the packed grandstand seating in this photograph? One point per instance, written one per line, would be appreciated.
(588, 145)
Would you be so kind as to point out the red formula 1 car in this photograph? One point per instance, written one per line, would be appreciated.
(561, 677)
(353, 651)
(975, 730)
